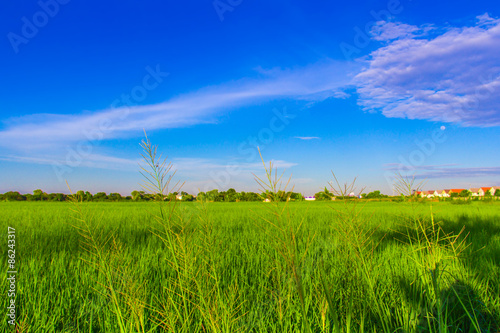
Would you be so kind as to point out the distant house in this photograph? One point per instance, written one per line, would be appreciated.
(431, 193)
(437, 193)
(178, 197)
(481, 191)
(267, 200)
(484, 190)
(310, 198)
(423, 194)
(455, 190)
(445, 193)
(475, 191)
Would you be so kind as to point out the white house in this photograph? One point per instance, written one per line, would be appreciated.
(481, 191)
(310, 198)
(484, 190)
(445, 193)
(474, 191)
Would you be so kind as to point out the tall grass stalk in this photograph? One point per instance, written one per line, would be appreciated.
(284, 231)
(177, 313)
(94, 244)
(219, 309)
(433, 250)
(360, 247)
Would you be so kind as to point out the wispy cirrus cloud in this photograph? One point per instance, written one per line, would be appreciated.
(307, 137)
(312, 83)
(98, 161)
(399, 166)
(445, 171)
(448, 74)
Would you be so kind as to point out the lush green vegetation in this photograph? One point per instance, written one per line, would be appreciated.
(228, 267)
(138, 196)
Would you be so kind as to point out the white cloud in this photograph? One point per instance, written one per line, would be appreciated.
(307, 137)
(450, 75)
(386, 31)
(443, 171)
(98, 161)
(312, 83)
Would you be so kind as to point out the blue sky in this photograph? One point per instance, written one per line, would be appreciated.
(361, 89)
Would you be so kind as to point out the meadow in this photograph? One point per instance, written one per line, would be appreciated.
(254, 267)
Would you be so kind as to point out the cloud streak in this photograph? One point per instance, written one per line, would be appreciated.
(449, 75)
(312, 84)
(446, 171)
(307, 137)
(186, 166)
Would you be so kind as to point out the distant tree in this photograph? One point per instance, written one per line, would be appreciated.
(267, 195)
(497, 193)
(201, 196)
(231, 195)
(221, 197)
(115, 196)
(100, 196)
(148, 197)
(252, 196)
(137, 195)
(187, 197)
(37, 195)
(375, 195)
(161, 197)
(281, 195)
(296, 196)
(88, 196)
(324, 195)
(465, 194)
(172, 196)
(453, 194)
(60, 197)
(13, 196)
(212, 195)
(80, 195)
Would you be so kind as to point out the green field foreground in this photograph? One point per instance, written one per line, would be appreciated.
(254, 267)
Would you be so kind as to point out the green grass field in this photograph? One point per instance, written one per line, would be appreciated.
(253, 267)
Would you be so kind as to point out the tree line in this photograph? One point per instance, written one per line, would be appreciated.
(231, 195)
(214, 195)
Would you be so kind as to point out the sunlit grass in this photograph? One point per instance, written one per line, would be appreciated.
(55, 287)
